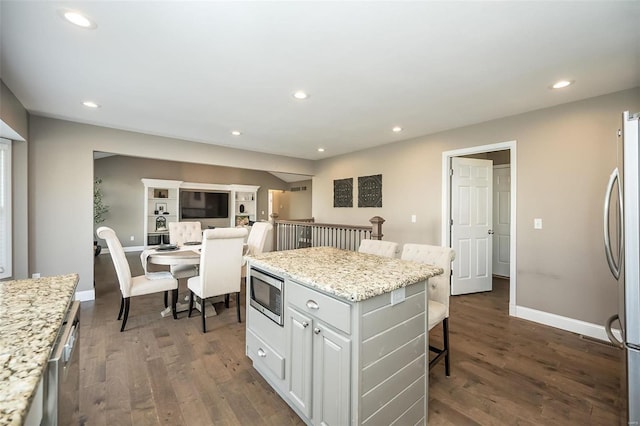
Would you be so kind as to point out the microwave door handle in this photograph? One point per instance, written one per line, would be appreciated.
(615, 269)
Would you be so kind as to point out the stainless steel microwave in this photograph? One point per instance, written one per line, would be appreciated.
(267, 294)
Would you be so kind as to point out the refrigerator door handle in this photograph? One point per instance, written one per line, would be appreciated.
(607, 328)
(615, 268)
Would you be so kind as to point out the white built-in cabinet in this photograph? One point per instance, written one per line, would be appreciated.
(338, 362)
(162, 205)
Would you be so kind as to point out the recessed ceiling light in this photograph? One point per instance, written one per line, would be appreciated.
(90, 104)
(320, 149)
(397, 129)
(300, 95)
(78, 19)
(236, 132)
(562, 83)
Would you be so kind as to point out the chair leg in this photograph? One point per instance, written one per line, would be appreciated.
(166, 299)
(121, 308)
(226, 300)
(174, 301)
(238, 306)
(126, 312)
(191, 296)
(445, 333)
(204, 321)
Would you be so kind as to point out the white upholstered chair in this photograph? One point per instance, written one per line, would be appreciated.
(220, 263)
(180, 233)
(378, 247)
(259, 241)
(439, 291)
(153, 282)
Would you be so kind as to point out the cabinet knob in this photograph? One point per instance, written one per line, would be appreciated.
(261, 353)
(311, 304)
(316, 330)
(305, 324)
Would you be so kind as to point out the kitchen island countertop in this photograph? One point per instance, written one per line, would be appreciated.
(345, 274)
(31, 313)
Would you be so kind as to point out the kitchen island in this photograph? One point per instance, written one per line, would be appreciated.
(351, 343)
(31, 314)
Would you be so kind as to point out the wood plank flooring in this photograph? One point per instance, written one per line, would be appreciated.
(162, 371)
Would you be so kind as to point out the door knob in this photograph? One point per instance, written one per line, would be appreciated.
(305, 324)
(490, 232)
(316, 330)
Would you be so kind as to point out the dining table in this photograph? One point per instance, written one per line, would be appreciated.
(172, 255)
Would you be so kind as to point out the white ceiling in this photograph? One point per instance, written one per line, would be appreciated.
(197, 70)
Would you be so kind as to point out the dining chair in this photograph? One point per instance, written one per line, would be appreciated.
(259, 241)
(180, 233)
(153, 282)
(378, 247)
(220, 262)
(439, 291)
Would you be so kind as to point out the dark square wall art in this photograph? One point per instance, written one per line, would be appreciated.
(343, 192)
(370, 191)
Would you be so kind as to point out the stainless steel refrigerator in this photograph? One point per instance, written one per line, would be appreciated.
(622, 249)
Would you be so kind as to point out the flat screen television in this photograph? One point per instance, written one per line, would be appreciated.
(204, 204)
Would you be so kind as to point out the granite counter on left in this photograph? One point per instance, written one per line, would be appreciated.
(31, 314)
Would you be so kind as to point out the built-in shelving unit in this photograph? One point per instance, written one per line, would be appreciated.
(162, 205)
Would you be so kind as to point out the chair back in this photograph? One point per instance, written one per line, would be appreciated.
(221, 261)
(258, 237)
(183, 232)
(119, 259)
(378, 247)
(440, 285)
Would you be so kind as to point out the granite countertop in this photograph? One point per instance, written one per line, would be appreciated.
(31, 313)
(346, 274)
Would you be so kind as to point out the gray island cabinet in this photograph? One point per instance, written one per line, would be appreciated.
(350, 344)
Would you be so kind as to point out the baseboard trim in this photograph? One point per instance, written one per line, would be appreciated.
(85, 295)
(594, 331)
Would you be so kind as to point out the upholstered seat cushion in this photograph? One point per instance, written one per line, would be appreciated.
(142, 285)
(184, 271)
(437, 312)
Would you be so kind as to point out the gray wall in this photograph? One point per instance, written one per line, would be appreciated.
(15, 116)
(124, 192)
(61, 184)
(564, 157)
(293, 204)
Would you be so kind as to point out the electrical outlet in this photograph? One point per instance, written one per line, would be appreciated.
(413, 218)
(35, 275)
(537, 223)
(132, 238)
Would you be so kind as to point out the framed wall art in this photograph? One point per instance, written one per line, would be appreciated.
(343, 192)
(370, 191)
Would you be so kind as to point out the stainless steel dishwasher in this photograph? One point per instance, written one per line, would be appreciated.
(63, 373)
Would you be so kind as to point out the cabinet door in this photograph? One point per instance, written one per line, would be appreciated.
(331, 377)
(300, 358)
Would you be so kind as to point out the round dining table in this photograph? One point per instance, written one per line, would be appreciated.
(186, 255)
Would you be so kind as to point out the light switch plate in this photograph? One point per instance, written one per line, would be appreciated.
(537, 223)
(413, 218)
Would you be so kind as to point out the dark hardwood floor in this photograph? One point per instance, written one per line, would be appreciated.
(164, 371)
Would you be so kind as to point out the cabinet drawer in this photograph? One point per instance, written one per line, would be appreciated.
(263, 354)
(332, 311)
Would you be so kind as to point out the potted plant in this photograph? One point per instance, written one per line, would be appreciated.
(99, 211)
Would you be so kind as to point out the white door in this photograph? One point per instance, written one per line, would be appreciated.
(501, 219)
(471, 225)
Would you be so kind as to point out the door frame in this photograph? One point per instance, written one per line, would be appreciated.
(445, 238)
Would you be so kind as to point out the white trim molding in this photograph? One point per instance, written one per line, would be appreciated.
(564, 323)
(86, 295)
(445, 238)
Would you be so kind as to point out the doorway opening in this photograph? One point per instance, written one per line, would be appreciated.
(447, 157)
